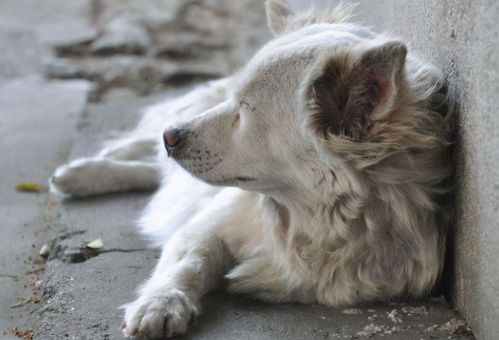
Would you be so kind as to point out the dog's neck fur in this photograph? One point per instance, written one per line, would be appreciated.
(328, 210)
(376, 214)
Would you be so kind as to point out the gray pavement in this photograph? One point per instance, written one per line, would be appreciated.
(46, 122)
(34, 124)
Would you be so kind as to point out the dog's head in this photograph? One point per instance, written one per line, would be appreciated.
(319, 87)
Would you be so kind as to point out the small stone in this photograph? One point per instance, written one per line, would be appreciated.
(455, 326)
(44, 251)
(431, 328)
(351, 311)
(372, 329)
(393, 316)
(415, 310)
(95, 244)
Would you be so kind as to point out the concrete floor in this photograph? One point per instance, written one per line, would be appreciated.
(34, 139)
(44, 123)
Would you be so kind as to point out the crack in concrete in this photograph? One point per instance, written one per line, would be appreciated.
(69, 234)
(120, 250)
(71, 255)
(82, 254)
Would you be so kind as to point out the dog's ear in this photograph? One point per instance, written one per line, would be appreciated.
(278, 14)
(347, 96)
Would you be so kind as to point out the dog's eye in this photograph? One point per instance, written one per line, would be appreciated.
(243, 103)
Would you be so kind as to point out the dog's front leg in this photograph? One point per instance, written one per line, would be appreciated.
(190, 264)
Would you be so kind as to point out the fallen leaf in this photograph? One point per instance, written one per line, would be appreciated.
(26, 335)
(95, 244)
(36, 271)
(36, 299)
(24, 300)
(31, 187)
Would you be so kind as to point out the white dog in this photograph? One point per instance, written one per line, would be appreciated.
(313, 176)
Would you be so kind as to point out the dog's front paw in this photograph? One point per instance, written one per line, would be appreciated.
(159, 316)
(75, 178)
(84, 177)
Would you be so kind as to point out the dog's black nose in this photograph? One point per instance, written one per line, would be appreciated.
(171, 137)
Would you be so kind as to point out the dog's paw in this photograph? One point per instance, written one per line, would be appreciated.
(75, 178)
(87, 176)
(158, 317)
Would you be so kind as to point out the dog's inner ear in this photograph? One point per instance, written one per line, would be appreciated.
(347, 99)
(278, 14)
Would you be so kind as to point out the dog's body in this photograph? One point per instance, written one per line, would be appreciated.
(331, 136)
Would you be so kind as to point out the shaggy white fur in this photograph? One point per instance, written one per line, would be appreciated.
(312, 175)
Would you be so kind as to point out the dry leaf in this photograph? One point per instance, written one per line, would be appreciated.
(31, 187)
(36, 299)
(26, 335)
(24, 300)
(95, 244)
(36, 271)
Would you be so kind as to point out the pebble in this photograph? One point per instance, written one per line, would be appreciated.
(45, 251)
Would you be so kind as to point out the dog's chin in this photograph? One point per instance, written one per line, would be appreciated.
(238, 181)
(247, 183)
(242, 181)
(205, 172)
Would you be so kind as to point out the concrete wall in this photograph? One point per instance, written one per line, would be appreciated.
(461, 37)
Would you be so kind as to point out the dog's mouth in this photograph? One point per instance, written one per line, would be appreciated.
(198, 162)
(203, 166)
(231, 181)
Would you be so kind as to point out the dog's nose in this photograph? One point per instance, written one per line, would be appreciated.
(171, 137)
